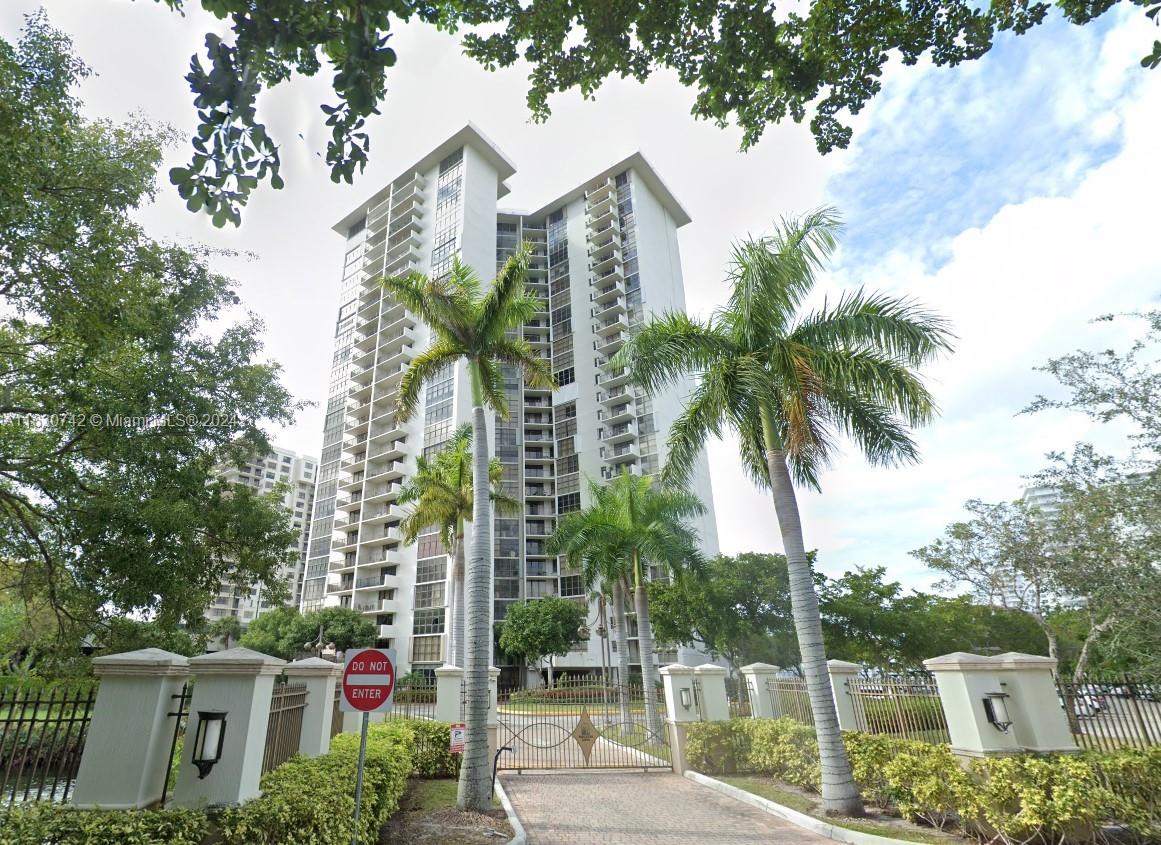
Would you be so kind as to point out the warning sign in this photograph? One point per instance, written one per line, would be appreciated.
(368, 681)
(457, 734)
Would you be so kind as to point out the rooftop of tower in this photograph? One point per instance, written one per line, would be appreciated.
(470, 135)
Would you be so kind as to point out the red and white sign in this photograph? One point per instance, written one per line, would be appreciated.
(368, 681)
(457, 734)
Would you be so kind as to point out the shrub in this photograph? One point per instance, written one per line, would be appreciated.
(927, 783)
(312, 801)
(869, 755)
(719, 748)
(59, 824)
(432, 759)
(787, 750)
(1133, 779)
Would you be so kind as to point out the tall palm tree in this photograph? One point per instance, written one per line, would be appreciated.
(441, 492)
(472, 325)
(787, 384)
(582, 537)
(639, 524)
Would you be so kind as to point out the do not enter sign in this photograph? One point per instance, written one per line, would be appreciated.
(368, 681)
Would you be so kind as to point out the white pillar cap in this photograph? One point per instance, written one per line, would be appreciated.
(312, 667)
(959, 661)
(145, 661)
(236, 661)
(760, 668)
(710, 669)
(1018, 660)
(843, 666)
(448, 669)
(676, 669)
(493, 671)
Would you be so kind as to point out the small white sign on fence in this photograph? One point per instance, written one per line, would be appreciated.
(456, 734)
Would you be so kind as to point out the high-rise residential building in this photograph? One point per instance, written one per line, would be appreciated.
(604, 257)
(1044, 500)
(262, 475)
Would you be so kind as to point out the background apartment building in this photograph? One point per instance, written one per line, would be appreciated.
(604, 257)
(261, 475)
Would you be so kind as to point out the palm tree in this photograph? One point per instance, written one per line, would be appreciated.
(604, 566)
(787, 384)
(637, 524)
(441, 492)
(473, 325)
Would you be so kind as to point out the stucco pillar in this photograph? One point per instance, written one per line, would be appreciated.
(755, 677)
(965, 681)
(320, 677)
(680, 709)
(715, 706)
(848, 706)
(493, 710)
(126, 754)
(1037, 716)
(238, 682)
(449, 691)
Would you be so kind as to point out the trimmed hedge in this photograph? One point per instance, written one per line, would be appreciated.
(1058, 798)
(45, 822)
(312, 801)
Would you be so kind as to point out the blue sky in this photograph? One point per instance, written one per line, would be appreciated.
(1015, 195)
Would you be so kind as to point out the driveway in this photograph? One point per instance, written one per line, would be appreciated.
(654, 808)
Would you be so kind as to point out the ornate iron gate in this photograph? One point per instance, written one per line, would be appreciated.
(582, 725)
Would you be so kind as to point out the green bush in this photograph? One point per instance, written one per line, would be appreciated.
(787, 750)
(927, 783)
(432, 759)
(869, 755)
(719, 748)
(1133, 779)
(58, 824)
(312, 801)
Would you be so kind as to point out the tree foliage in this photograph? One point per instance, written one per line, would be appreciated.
(542, 629)
(751, 63)
(116, 405)
(286, 633)
(739, 610)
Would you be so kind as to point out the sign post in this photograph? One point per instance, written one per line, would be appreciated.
(368, 687)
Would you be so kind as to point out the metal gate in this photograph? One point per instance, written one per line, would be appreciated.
(579, 724)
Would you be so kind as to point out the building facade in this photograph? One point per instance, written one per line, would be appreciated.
(262, 475)
(604, 258)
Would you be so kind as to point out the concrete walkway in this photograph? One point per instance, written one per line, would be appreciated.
(623, 807)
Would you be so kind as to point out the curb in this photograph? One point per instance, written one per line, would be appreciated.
(519, 837)
(830, 831)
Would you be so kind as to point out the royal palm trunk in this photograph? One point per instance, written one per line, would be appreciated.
(457, 610)
(648, 669)
(622, 649)
(840, 795)
(475, 789)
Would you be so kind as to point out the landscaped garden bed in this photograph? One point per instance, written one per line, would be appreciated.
(918, 789)
(428, 816)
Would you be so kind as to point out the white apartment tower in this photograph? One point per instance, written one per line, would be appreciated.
(262, 475)
(604, 257)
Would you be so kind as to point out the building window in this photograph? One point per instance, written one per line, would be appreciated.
(429, 595)
(433, 569)
(568, 503)
(426, 649)
(429, 621)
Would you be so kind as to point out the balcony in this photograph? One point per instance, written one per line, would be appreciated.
(600, 233)
(381, 581)
(537, 456)
(538, 492)
(620, 433)
(611, 326)
(612, 343)
(619, 414)
(613, 377)
(614, 396)
(538, 420)
(609, 309)
(602, 217)
(622, 455)
(608, 293)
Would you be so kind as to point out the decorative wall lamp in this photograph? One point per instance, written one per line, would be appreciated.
(686, 698)
(208, 740)
(996, 709)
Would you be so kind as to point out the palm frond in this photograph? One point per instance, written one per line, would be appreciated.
(501, 307)
(421, 370)
(883, 380)
(669, 348)
(537, 371)
(895, 327)
(437, 302)
(492, 386)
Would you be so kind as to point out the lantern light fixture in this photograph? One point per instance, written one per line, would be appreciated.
(996, 709)
(209, 739)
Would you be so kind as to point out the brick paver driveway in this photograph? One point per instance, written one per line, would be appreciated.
(619, 808)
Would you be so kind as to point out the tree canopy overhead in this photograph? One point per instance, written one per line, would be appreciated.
(751, 63)
(116, 405)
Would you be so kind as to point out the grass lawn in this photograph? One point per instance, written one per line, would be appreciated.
(893, 828)
(427, 815)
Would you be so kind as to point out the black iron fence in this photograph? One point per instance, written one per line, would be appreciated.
(284, 727)
(180, 715)
(336, 713)
(1108, 713)
(42, 735)
(907, 707)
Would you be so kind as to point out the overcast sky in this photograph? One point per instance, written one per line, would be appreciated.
(1016, 195)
